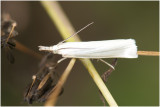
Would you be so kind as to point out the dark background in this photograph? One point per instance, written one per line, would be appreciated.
(135, 82)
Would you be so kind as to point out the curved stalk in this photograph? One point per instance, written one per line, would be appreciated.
(64, 26)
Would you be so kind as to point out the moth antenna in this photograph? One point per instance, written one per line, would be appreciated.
(77, 32)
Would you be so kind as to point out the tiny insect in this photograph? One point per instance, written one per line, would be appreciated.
(119, 48)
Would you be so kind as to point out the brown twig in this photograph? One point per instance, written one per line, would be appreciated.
(148, 53)
(26, 50)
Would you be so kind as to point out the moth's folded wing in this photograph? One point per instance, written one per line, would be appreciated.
(120, 49)
(95, 44)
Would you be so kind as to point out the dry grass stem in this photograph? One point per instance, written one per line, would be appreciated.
(65, 28)
(148, 53)
(52, 99)
(99, 82)
(59, 19)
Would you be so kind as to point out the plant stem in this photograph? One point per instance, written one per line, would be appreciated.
(59, 18)
(148, 53)
(99, 82)
(51, 101)
(64, 26)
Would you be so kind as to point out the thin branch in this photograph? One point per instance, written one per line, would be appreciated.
(51, 101)
(148, 53)
(26, 50)
(64, 26)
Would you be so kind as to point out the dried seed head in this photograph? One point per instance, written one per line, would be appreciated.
(44, 81)
(7, 33)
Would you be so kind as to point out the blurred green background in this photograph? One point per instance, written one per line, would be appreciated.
(135, 82)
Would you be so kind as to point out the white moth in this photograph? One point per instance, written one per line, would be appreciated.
(119, 48)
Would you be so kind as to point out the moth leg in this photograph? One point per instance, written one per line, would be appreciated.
(105, 76)
(102, 98)
(62, 59)
(107, 63)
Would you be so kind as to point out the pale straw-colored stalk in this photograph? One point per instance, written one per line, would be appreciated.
(64, 26)
(148, 53)
(51, 101)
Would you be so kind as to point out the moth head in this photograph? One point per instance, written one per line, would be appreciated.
(50, 48)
